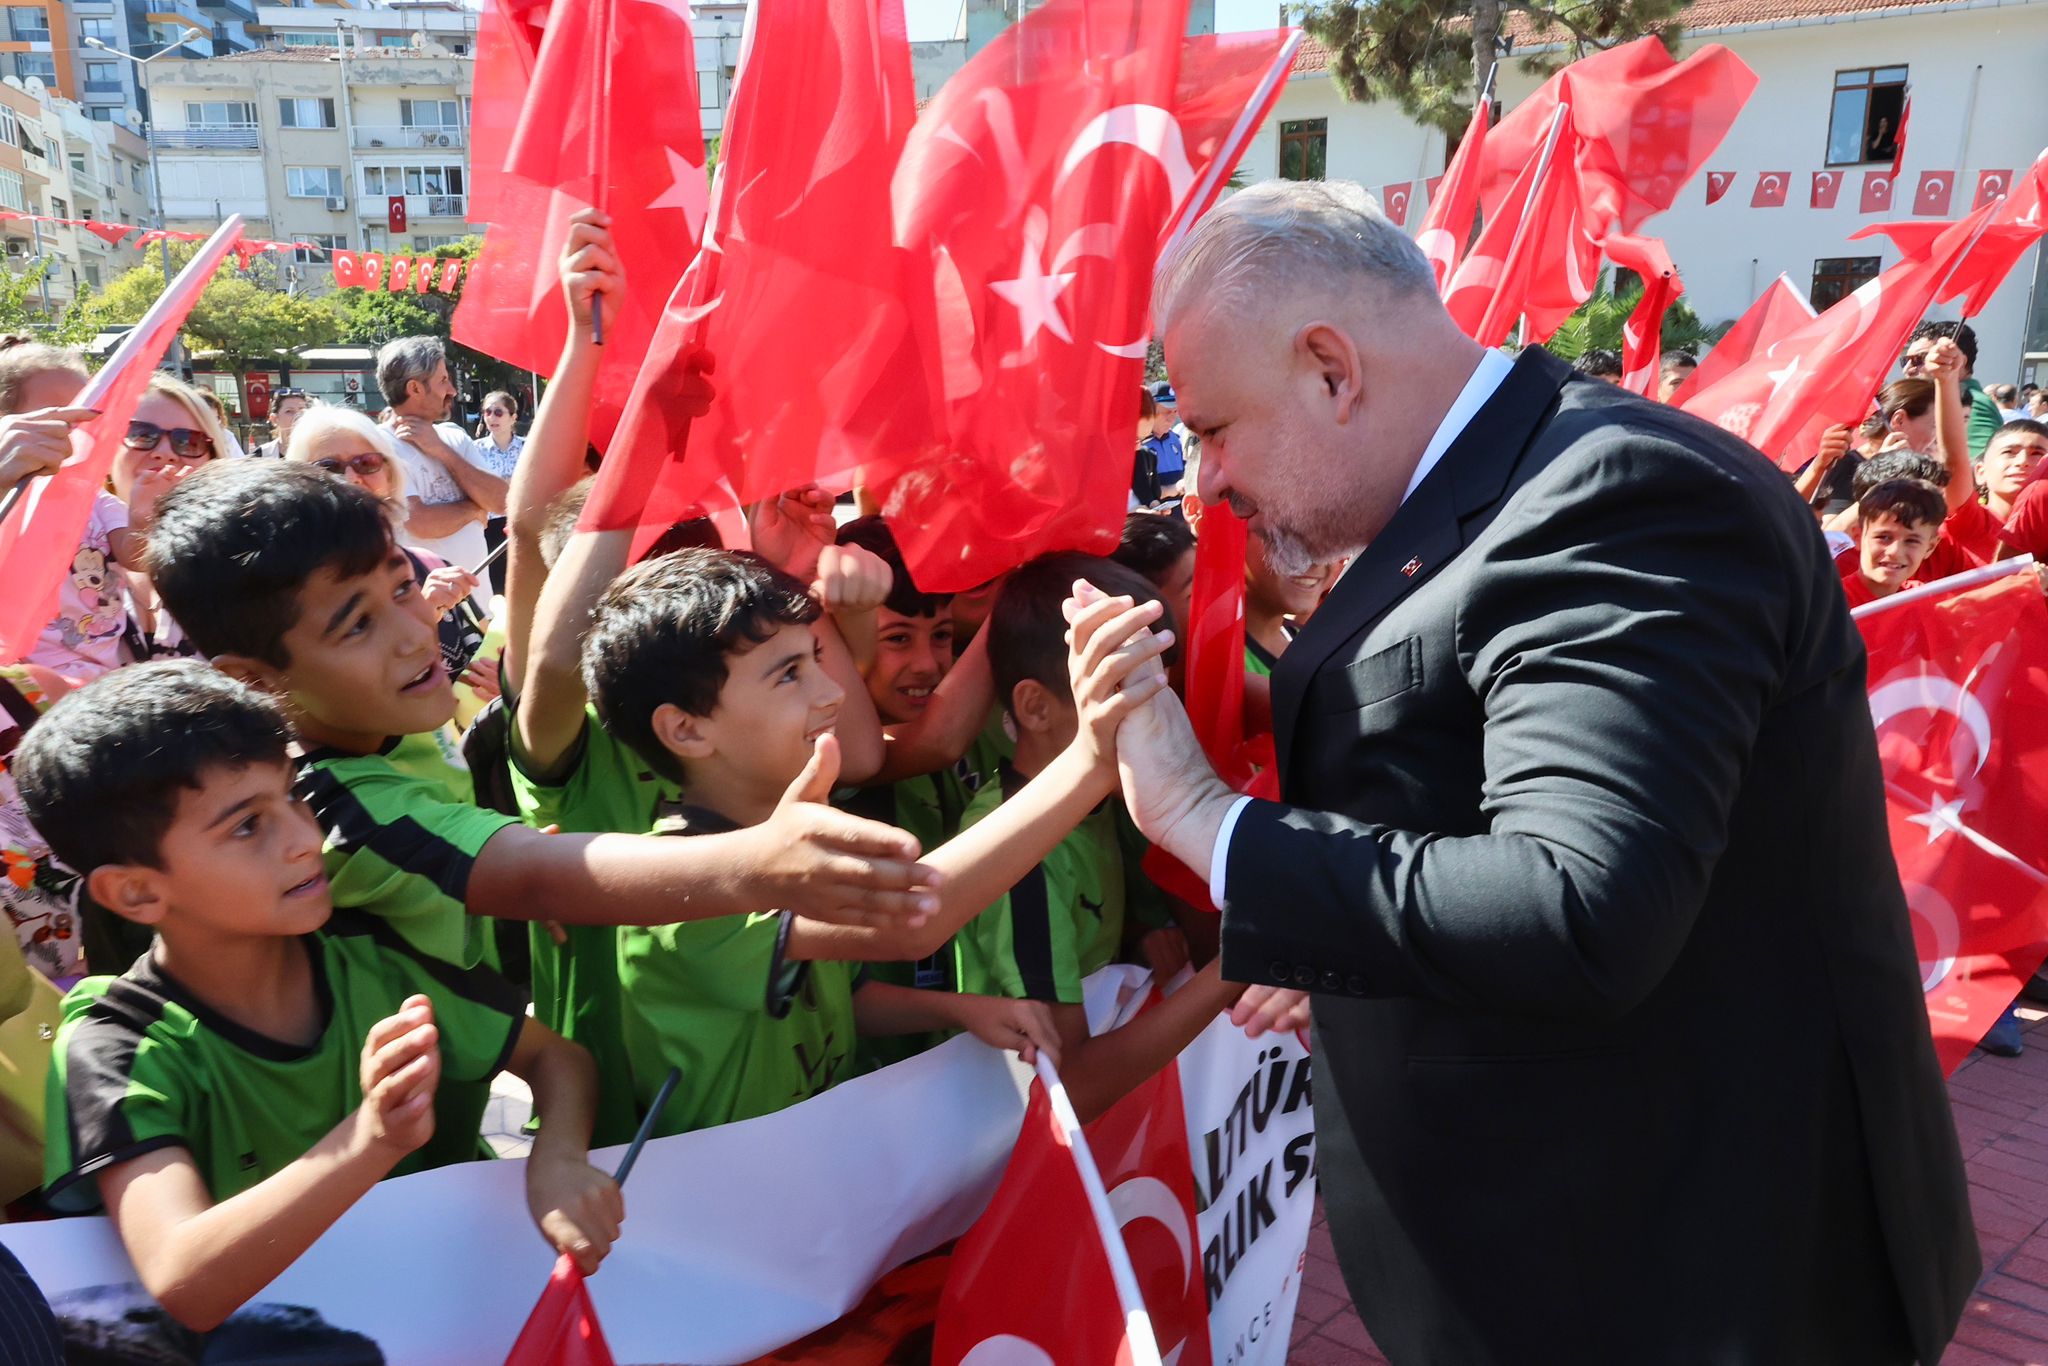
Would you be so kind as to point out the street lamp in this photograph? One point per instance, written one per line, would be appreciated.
(156, 175)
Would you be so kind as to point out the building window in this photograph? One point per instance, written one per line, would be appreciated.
(1837, 277)
(28, 24)
(92, 274)
(39, 65)
(458, 49)
(326, 242)
(394, 40)
(431, 241)
(135, 177)
(311, 40)
(102, 29)
(102, 113)
(78, 163)
(1864, 123)
(59, 208)
(103, 72)
(435, 180)
(220, 114)
(314, 182)
(707, 90)
(13, 191)
(10, 128)
(306, 113)
(429, 113)
(1304, 148)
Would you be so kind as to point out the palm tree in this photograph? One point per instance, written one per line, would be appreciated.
(1597, 323)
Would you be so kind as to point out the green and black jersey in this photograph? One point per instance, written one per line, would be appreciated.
(140, 1063)
(402, 834)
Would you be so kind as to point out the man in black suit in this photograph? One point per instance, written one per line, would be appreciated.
(1622, 1050)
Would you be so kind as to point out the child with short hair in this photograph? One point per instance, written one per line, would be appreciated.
(1902, 521)
(1162, 548)
(706, 664)
(238, 1088)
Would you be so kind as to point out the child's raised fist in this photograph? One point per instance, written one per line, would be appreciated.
(401, 1068)
(851, 580)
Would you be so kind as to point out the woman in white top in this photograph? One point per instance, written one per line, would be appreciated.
(499, 445)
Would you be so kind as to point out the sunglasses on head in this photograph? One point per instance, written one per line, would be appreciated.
(362, 466)
(186, 443)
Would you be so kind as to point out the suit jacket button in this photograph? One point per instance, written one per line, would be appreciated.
(1304, 978)
(1355, 985)
(1281, 971)
(1332, 982)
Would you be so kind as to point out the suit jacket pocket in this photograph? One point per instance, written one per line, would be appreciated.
(1384, 673)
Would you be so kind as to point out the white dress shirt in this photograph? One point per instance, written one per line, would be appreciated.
(1487, 377)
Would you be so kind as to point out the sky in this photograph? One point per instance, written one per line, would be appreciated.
(933, 19)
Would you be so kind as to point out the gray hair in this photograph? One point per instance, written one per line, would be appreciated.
(323, 419)
(401, 362)
(1288, 233)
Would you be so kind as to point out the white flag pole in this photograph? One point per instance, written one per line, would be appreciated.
(1954, 583)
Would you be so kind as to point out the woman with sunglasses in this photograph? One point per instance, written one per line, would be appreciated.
(348, 445)
(500, 445)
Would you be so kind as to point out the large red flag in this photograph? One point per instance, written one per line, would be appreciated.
(637, 152)
(1535, 236)
(800, 296)
(563, 1329)
(1043, 1276)
(1959, 695)
(1229, 82)
(1454, 200)
(1777, 313)
(1781, 400)
(39, 537)
(2017, 222)
(508, 35)
(1034, 191)
(1642, 335)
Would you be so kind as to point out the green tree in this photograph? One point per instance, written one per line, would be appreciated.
(21, 308)
(1432, 56)
(1597, 324)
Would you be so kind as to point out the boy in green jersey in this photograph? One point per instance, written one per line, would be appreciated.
(262, 1066)
(706, 663)
(291, 581)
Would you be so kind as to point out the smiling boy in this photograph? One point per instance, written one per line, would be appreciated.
(1902, 520)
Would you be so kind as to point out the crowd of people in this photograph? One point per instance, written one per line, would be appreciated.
(336, 755)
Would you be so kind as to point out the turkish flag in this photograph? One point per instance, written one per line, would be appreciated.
(1877, 193)
(398, 278)
(1717, 185)
(1642, 335)
(1229, 82)
(1447, 226)
(39, 539)
(1770, 190)
(1394, 202)
(638, 154)
(1932, 198)
(394, 213)
(1959, 694)
(1036, 1278)
(370, 267)
(508, 38)
(110, 233)
(799, 275)
(1777, 313)
(1990, 185)
(563, 1329)
(2016, 224)
(1899, 142)
(451, 274)
(1783, 398)
(1827, 185)
(1033, 191)
(1536, 258)
(348, 270)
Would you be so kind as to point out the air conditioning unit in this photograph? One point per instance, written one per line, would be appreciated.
(440, 139)
(336, 204)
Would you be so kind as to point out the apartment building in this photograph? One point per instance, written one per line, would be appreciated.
(57, 160)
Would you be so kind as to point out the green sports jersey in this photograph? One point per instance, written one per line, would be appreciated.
(1063, 920)
(402, 833)
(752, 1032)
(929, 806)
(606, 789)
(141, 1064)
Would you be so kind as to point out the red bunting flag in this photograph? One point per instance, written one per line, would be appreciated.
(39, 538)
(348, 270)
(1642, 335)
(563, 1329)
(1899, 142)
(1959, 693)
(1931, 200)
(398, 277)
(1990, 185)
(1394, 202)
(110, 233)
(1824, 373)
(451, 273)
(1447, 226)
(1777, 313)
(371, 267)
(638, 154)
(1827, 186)
(1770, 190)
(1044, 1275)
(423, 275)
(2016, 224)
(1717, 185)
(1877, 193)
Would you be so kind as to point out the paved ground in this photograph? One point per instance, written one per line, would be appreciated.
(2001, 1109)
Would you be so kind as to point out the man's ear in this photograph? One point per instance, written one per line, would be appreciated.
(1334, 360)
(683, 734)
(132, 891)
(255, 672)
(1032, 705)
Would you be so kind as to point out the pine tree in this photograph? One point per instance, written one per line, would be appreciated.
(1432, 56)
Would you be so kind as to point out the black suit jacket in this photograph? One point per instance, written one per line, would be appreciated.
(1621, 1052)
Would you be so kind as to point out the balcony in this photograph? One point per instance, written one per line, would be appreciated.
(210, 139)
(418, 207)
(24, 33)
(175, 15)
(105, 88)
(394, 135)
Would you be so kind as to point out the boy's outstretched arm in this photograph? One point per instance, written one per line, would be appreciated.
(1023, 1027)
(1101, 1070)
(577, 1207)
(202, 1261)
(988, 858)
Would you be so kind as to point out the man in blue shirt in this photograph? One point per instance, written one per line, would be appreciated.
(1169, 460)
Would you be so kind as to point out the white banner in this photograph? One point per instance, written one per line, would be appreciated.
(741, 1239)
